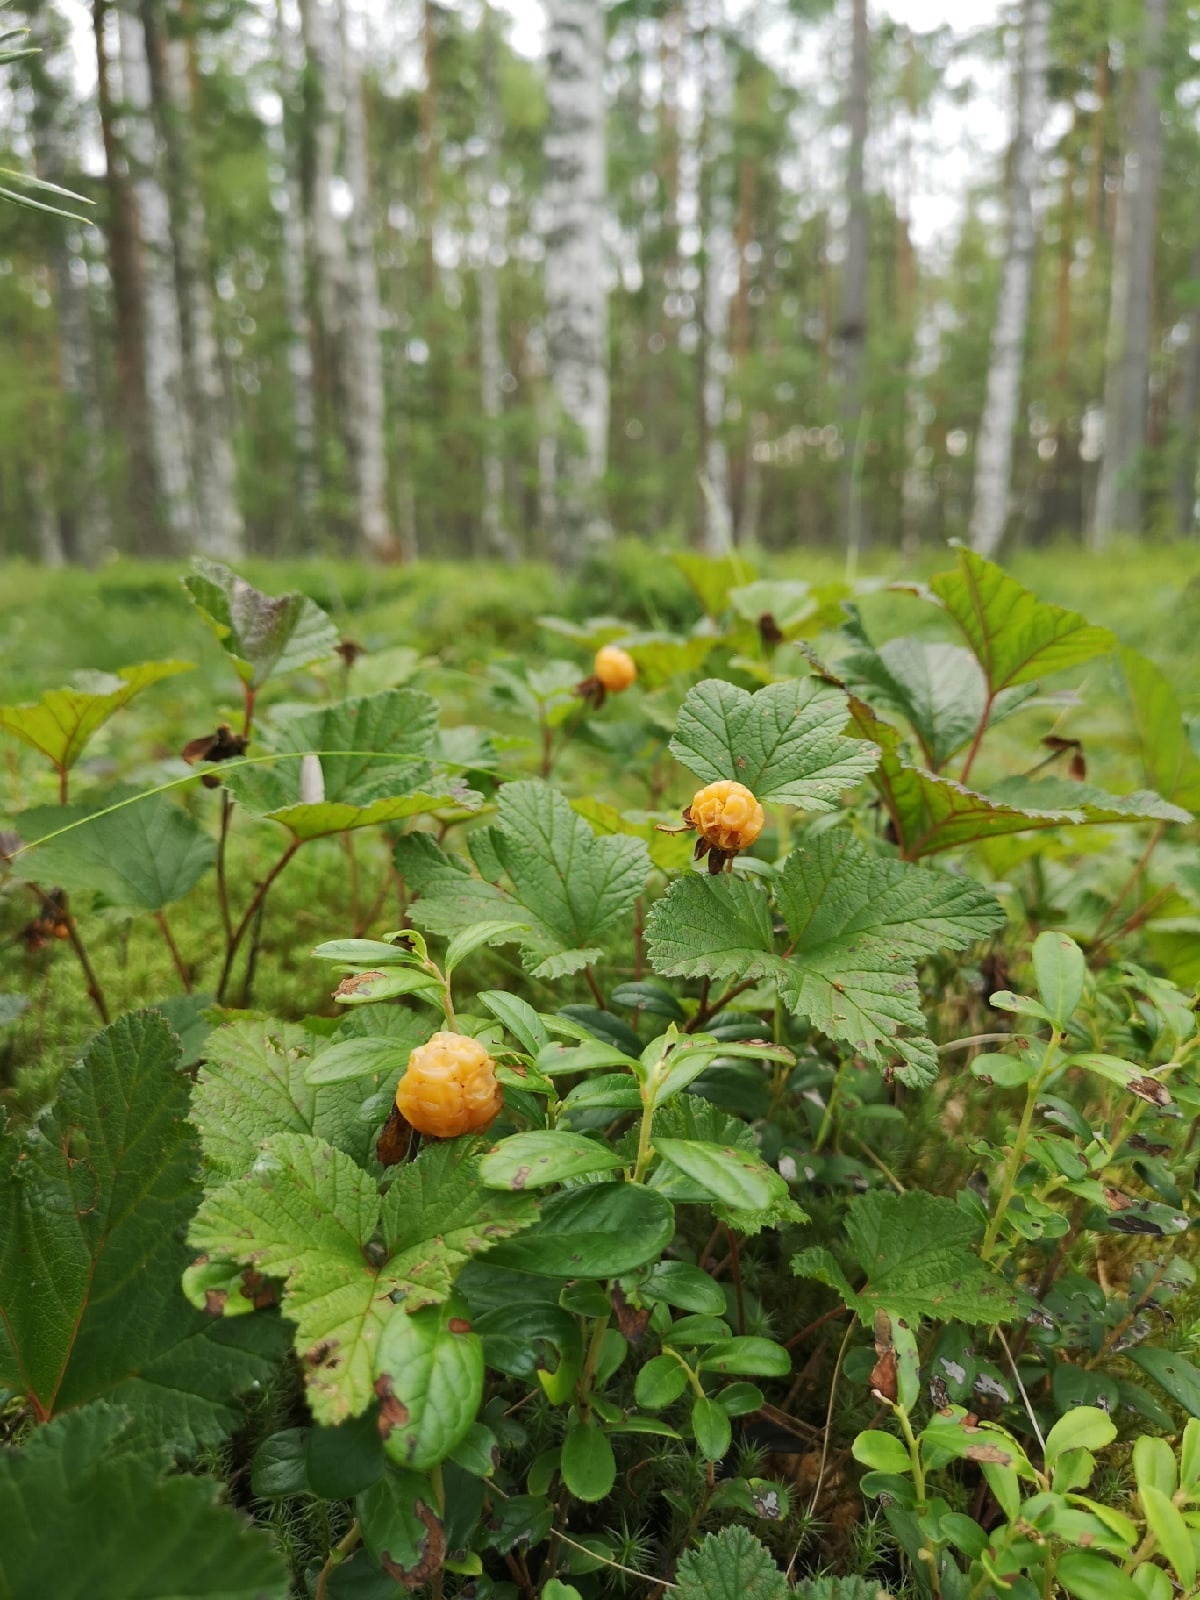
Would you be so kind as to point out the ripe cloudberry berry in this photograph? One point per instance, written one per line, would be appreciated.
(449, 1087)
(615, 668)
(727, 817)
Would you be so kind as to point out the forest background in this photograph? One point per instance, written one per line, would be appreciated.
(463, 280)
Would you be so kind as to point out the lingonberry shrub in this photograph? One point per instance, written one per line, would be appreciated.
(604, 1213)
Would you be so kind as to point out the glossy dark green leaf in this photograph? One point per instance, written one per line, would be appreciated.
(279, 1468)
(533, 1160)
(660, 1382)
(429, 1374)
(599, 1231)
(401, 1528)
(589, 1467)
(711, 1426)
(342, 1461)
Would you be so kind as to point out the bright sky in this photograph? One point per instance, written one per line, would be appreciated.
(959, 143)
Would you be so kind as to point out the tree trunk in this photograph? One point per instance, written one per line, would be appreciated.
(852, 326)
(125, 271)
(717, 266)
(330, 268)
(79, 493)
(497, 539)
(1187, 417)
(284, 147)
(994, 451)
(168, 427)
(1118, 506)
(219, 528)
(363, 347)
(576, 292)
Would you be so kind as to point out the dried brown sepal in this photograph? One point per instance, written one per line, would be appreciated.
(631, 1320)
(769, 630)
(395, 1140)
(350, 650)
(224, 745)
(592, 692)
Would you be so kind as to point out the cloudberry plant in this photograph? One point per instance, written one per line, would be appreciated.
(449, 1087)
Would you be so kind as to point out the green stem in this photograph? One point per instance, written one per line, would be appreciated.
(590, 1360)
(826, 1127)
(344, 1547)
(1016, 1156)
(645, 1149)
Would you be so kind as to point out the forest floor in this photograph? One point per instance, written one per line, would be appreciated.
(458, 621)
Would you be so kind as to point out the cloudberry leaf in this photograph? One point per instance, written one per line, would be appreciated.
(569, 888)
(938, 688)
(143, 856)
(375, 754)
(730, 1565)
(252, 1085)
(857, 925)
(930, 813)
(307, 1213)
(785, 742)
(1015, 637)
(63, 720)
(1170, 764)
(917, 1251)
(88, 1515)
(263, 634)
(93, 1203)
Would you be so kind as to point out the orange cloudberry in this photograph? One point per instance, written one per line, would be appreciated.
(727, 817)
(449, 1087)
(614, 668)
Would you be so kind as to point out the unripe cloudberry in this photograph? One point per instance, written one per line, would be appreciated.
(614, 668)
(449, 1087)
(727, 817)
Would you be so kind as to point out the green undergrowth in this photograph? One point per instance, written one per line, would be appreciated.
(835, 981)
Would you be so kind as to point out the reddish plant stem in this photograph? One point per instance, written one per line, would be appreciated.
(95, 992)
(185, 976)
(260, 894)
(222, 879)
(64, 782)
(978, 739)
(735, 1268)
(708, 1010)
(813, 1327)
(594, 986)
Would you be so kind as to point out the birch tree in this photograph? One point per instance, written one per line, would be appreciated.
(82, 501)
(219, 529)
(168, 427)
(719, 268)
(1118, 502)
(576, 291)
(852, 322)
(994, 451)
(497, 538)
(289, 203)
(363, 326)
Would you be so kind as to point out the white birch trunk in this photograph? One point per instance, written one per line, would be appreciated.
(56, 160)
(365, 392)
(994, 451)
(576, 291)
(47, 530)
(290, 204)
(852, 322)
(497, 539)
(720, 272)
(1186, 413)
(166, 406)
(1118, 503)
(219, 528)
(330, 264)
